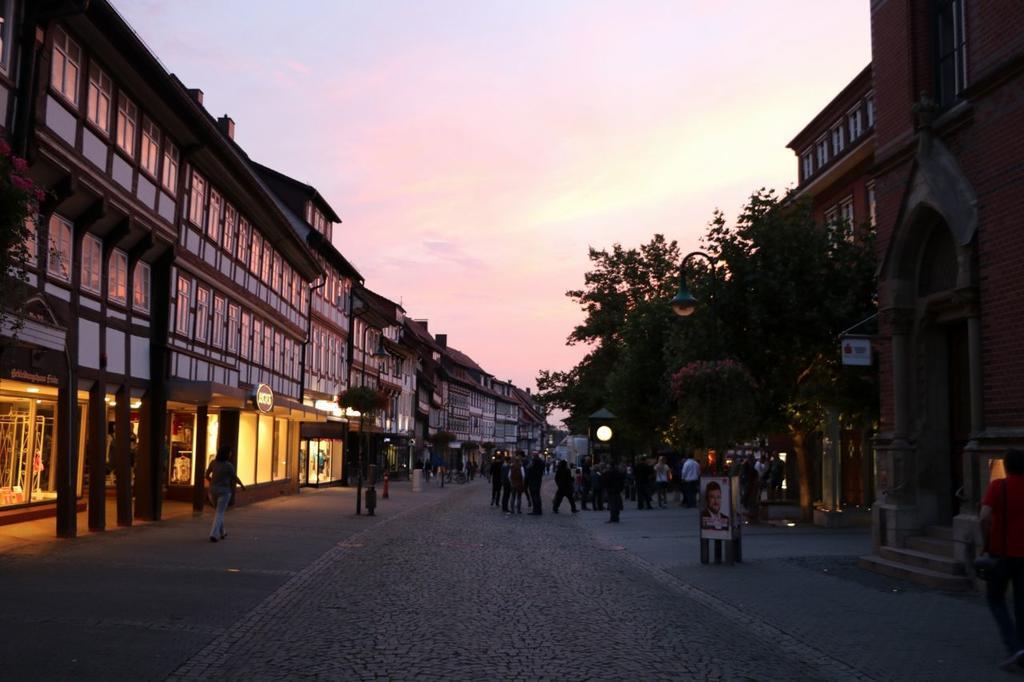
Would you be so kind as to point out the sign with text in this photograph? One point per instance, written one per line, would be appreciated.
(856, 351)
(264, 399)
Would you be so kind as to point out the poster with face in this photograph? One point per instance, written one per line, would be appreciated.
(715, 508)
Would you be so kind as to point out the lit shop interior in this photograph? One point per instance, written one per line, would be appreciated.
(262, 453)
(28, 443)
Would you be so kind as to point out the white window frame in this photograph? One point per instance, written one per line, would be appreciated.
(66, 67)
(243, 243)
(213, 215)
(6, 16)
(141, 280)
(182, 302)
(117, 277)
(169, 172)
(61, 248)
(228, 228)
(838, 137)
(92, 264)
(217, 336)
(234, 311)
(872, 204)
(846, 213)
(127, 125)
(855, 123)
(821, 152)
(869, 108)
(150, 156)
(202, 326)
(101, 93)
(196, 199)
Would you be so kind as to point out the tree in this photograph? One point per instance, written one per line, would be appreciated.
(625, 327)
(367, 402)
(715, 402)
(19, 205)
(786, 289)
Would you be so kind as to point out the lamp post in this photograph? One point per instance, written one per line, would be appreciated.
(684, 304)
(378, 353)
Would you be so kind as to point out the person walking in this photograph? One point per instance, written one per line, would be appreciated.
(644, 474)
(776, 475)
(563, 487)
(516, 477)
(506, 484)
(534, 479)
(1002, 525)
(662, 476)
(614, 481)
(596, 487)
(221, 475)
(691, 481)
(495, 476)
(586, 482)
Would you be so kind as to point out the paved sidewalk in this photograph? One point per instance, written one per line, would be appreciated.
(803, 584)
(136, 603)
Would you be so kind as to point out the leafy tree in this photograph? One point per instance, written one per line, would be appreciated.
(784, 291)
(716, 402)
(368, 402)
(19, 203)
(625, 327)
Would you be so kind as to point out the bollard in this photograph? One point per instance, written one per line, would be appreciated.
(384, 496)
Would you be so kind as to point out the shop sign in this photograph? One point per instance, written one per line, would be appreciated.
(856, 351)
(264, 398)
(34, 378)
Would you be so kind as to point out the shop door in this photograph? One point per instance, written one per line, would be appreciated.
(959, 407)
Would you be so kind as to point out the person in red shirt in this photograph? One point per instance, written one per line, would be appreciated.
(1002, 525)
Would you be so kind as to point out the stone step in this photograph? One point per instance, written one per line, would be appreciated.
(931, 545)
(916, 574)
(933, 562)
(940, 532)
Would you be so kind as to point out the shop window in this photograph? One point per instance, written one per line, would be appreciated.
(117, 284)
(61, 247)
(265, 450)
(181, 453)
(247, 427)
(278, 465)
(101, 91)
(67, 58)
(140, 287)
(28, 450)
(92, 263)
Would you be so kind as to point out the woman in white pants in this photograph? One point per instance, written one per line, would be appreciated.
(222, 478)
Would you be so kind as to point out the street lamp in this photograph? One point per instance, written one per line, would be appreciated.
(684, 304)
(380, 352)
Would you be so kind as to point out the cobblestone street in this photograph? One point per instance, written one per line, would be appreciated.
(439, 586)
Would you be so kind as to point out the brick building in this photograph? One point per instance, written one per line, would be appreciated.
(949, 167)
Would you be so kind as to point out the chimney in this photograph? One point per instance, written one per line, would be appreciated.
(197, 95)
(227, 126)
(442, 340)
(528, 392)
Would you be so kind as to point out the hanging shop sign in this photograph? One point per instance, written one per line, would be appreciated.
(856, 351)
(264, 399)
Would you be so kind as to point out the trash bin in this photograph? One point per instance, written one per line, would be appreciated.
(417, 480)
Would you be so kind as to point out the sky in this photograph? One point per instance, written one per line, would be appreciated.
(475, 149)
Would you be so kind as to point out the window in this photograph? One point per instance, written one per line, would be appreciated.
(244, 336)
(846, 211)
(229, 229)
(213, 217)
(233, 311)
(170, 171)
(822, 152)
(67, 57)
(254, 257)
(31, 240)
(218, 321)
(60, 248)
(196, 198)
(951, 51)
(243, 241)
(854, 124)
(257, 341)
(278, 352)
(150, 146)
(266, 263)
(101, 91)
(832, 216)
(6, 14)
(92, 263)
(275, 275)
(181, 305)
(202, 314)
(140, 287)
(838, 139)
(117, 281)
(869, 106)
(268, 348)
(871, 204)
(127, 120)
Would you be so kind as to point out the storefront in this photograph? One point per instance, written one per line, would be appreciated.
(261, 429)
(322, 453)
(28, 444)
